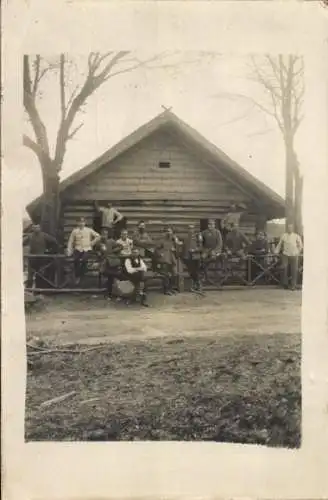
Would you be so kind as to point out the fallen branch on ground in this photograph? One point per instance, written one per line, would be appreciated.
(39, 350)
(89, 400)
(57, 399)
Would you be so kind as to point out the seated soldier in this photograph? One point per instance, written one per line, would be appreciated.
(236, 243)
(135, 269)
(110, 263)
(126, 243)
(258, 249)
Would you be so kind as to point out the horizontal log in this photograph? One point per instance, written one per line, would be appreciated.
(150, 220)
(160, 214)
(153, 177)
(156, 205)
(143, 170)
(115, 196)
(160, 189)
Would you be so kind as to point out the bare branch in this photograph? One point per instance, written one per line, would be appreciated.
(32, 111)
(35, 147)
(248, 98)
(92, 63)
(29, 143)
(297, 117)
(74, 132)
(62, 86)
(238, 118)
(72, 96)
(282, 69)
(37, 74)
(266, 82)
(259, 132)
(274, 66)
(27, 79)
(93, 80)
(105, 73)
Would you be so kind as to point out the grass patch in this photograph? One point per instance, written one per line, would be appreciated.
(243, 389)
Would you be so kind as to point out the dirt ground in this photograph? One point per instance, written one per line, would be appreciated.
(90, 319)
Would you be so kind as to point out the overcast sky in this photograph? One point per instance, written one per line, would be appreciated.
(196, 87)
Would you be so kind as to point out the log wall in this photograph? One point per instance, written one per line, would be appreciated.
(188, 191)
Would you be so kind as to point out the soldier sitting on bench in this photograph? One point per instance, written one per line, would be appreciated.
(110, 262)
(135, 269)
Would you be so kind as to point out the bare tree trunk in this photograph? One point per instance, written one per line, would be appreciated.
(50, 205)
(289, 180)
(298, 202)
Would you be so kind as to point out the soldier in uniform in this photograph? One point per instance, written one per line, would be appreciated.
(192, 251)
(166, 254)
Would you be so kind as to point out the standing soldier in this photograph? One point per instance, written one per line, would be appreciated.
(290, 244)
(167, 258)
(111, 218)
(80, 243)
(143, 241)
(192, 251)
(233, 217)
(38, 243)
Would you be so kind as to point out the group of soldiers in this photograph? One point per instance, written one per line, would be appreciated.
(122, 255)
(125, 256)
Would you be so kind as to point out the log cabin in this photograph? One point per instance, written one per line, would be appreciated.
(165, 172)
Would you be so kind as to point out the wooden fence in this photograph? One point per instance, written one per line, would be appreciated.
(55, 273)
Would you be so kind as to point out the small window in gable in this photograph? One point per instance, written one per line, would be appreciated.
(164, 164)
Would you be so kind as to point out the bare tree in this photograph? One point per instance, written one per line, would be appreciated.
(100, 68)
(282, 78)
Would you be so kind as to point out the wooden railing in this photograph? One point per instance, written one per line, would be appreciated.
(55, 272)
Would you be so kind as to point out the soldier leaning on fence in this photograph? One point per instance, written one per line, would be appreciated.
(212, 242)
(166, 255)
(236, 243)
(39, 242)
(258, 250)
(291, 246)
(192, 252)
(110, 262)
(80, 243)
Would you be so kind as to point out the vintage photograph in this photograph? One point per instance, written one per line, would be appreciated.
(163, 246)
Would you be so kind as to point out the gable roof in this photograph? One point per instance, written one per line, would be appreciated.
(216, 155)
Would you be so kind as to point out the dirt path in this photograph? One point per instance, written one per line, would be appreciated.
(92, 320)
